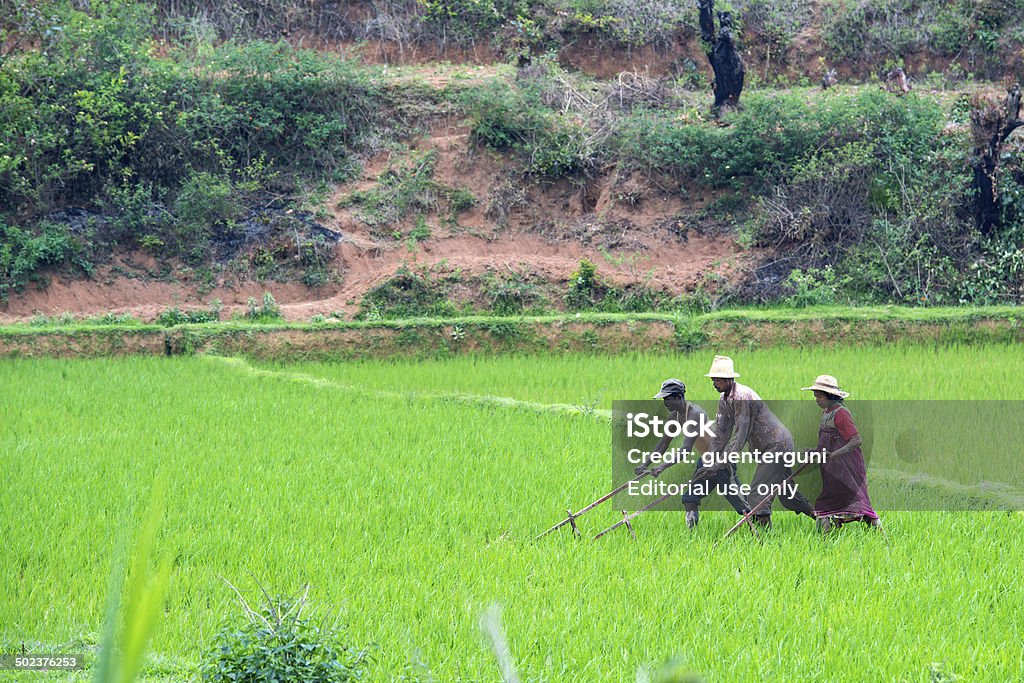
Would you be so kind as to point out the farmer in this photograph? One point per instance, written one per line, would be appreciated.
(673, 394)
(844, 480)
(744, 418)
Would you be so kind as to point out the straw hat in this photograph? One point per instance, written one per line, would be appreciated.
(721, 366)
(828, 384)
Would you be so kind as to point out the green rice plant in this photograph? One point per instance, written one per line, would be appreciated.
(130, 623)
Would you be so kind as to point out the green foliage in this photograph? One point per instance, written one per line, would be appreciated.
(278, 642)
(774, 131)
(635, 23)
(871, 30)
(204, 201)
(404, 187)
(174, 316)
(997, 276)
(505, 118)
(513, 295)
(583, 285)
(407, 187)
(96, 118)
(420, 231)
(406, 295)
(265, 311)
(23, 253)
(814, 287)
(464, 22)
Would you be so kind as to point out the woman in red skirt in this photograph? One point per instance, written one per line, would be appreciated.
(844, 482)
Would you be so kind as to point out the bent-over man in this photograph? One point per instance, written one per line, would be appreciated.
(673, 394)
(743, 418)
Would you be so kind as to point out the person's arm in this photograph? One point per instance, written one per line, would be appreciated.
(693, 414)
(663, 444)
(743, 418)
(724, 421)
(848, 431)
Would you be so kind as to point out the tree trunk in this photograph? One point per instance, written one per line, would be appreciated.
(991, 125)
(725, 60)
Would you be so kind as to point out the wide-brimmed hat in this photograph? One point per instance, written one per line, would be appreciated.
(828, 384)
(671, 387)
(721, 367)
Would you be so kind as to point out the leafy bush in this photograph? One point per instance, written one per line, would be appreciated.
(814, 287)
(406, 295)
(503, 117)
(583, 285)
(872, 30)
(23, 253)
(280, 643)
(204, 200)
(631, 22)
(265, 312)
(175, 316)
(96, 118)
(463, 22)
(512, 118)
(514, 295)
(773, 132)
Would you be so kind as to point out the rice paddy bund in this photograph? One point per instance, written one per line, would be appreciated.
(406, 494)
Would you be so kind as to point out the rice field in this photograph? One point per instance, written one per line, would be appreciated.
(406, 494)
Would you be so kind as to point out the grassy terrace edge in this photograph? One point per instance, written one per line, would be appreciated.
(595, 332)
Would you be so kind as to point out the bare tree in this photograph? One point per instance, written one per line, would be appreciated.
(725, 60)
(991, 125)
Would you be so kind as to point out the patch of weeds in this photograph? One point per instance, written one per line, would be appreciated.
(315, 277)
(406, 295)
(421, 230)
(173, 316)
(513, 295)
(582, 287)
(265, 312)
(151, 244)
(408, 187)
(279, 642)
(504, 331)
(111, 319)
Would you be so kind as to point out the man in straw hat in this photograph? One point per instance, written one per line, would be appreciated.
(844, 481)
(744, 418)
(673, 394)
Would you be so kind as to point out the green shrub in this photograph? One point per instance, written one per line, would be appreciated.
(869, 31)
(279, 642)
(814, 287)
(265, 312)
(630, 22)
(24, 253)
(205, 200)
(406, 295)
(464, 22)
(513, 296)
(96, 118)
(503, 117)
(175, 316)
(773, 132)
(583, 285)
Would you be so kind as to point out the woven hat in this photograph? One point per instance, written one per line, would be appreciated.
(721, 366)
(828, 384)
